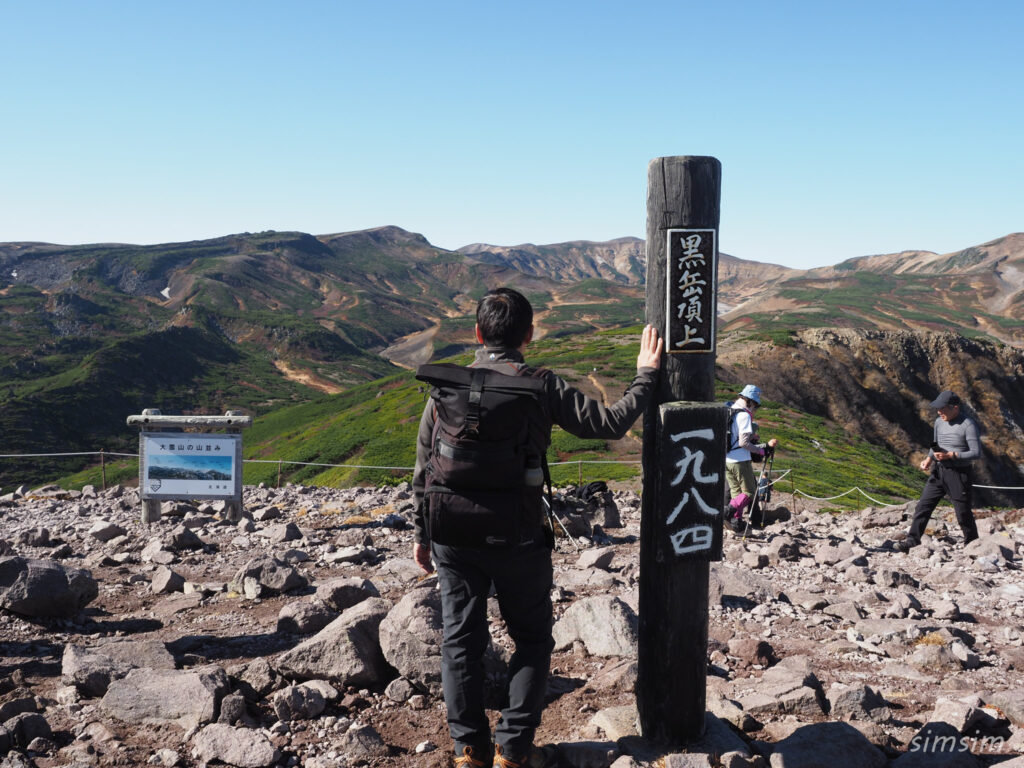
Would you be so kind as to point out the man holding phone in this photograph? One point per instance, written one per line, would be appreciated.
(955, 446)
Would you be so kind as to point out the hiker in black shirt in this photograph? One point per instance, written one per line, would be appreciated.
(521, 574)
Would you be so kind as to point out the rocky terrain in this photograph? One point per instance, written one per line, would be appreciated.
(304, 635)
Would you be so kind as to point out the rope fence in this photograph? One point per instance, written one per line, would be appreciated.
(579, 463)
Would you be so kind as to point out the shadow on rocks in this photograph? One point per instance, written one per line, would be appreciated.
(213, 648)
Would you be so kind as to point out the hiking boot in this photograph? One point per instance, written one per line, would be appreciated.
(467, 760)
(538, 757)
(904, 545)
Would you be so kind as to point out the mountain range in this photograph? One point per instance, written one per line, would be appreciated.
(93, 333)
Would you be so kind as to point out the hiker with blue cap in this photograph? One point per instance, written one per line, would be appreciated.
(743, 446)
(949, 464)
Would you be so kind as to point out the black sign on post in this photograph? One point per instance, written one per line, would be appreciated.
(692, 482)
(692, 272)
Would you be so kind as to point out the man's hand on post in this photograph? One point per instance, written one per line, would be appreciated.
(651, 346)
(421, 554)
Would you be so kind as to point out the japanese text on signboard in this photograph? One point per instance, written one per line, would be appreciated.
(691, 291)
(692, 446)
(177, 464)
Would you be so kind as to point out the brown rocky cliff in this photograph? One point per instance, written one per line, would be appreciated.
(878, 384)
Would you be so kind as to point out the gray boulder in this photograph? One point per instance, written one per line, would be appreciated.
(361, 743)
(23, 728)
(298, 702)
(166, 581)
(725, 582)
(936, 745)
(826, 745)
(604, 624)
(187, 697)
(856, 702)
(43, 588)
(346, 651)
(1011, 702)
(410, 638)
(305, 618)
(183, 539)
(104, 530)
(344, 592)
(266, 576)
(92, 669)
(241, 747)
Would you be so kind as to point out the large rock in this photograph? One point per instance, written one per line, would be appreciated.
(362, 744)
(305, 618)
(264, 576)
(42, 588)
(789, 688)
(241, 747)
(726, 581)
(1011, 702)
(93, 669)
(604, 624)
(346, 591)
(937, 745)
(410, 638)
(187, 697)
(346, 651)
(298, 702)
(826, 745)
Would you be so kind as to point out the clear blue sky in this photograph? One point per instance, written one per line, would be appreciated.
(844, 129)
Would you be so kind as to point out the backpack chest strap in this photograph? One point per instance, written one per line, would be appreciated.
(471, 426)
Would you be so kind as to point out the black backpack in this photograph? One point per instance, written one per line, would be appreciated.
(485, 473)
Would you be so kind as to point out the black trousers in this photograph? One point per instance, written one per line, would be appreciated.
(522, 578)
(957, 484)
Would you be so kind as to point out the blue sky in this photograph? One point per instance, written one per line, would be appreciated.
(843, 129)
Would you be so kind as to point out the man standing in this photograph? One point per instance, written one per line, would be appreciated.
(521, 574)
(954, 446)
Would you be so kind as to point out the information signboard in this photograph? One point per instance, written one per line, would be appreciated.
(691, 286)
(176, 465)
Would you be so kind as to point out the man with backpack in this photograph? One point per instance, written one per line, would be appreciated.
(743, 446)
(480, 466)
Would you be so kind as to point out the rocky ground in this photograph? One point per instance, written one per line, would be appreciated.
(304, 635)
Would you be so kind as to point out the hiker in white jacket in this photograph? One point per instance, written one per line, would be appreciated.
(743, 444)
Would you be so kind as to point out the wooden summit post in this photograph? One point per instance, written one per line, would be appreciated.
(683, 450)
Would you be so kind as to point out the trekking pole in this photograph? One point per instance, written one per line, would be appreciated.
(553, 518)
(766, 469)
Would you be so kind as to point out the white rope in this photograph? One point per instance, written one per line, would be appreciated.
(589, 461)
(833, 498)
(81, 453)
(316, 464)
(552, 464)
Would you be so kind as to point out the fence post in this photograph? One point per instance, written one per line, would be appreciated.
(150, 507)
(103, 470)
(683, 450)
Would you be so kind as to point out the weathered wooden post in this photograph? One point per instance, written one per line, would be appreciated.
(150, 507)
(683, 450)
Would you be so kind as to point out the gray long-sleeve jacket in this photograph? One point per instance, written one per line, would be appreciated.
(960, 435)
(568, 407)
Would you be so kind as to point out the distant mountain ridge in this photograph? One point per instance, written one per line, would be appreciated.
(91, 333)
(978, 292)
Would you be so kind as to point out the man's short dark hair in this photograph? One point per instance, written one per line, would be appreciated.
(504, 317)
